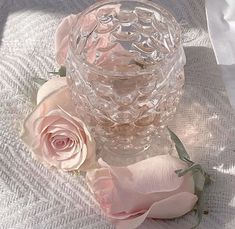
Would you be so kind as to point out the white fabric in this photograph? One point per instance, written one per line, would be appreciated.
(34, 197)
(221, 25)
(228, 74)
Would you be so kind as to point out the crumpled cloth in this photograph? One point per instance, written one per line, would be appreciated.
(34, 197)
(221, 25)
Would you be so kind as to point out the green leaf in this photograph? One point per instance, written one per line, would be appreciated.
(183, 155)
(62, 71)
(200, 209)
(209, 179)
(39, 81)
(193, 168)
(199, 177)
(54, 73)
(199, 180)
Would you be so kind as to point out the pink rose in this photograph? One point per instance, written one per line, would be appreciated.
(54, 133)
(101, 44)
(149, 188)
(62, 38)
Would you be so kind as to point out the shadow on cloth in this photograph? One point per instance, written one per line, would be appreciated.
(58, 7)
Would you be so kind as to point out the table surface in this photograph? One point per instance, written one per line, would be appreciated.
(32, 196)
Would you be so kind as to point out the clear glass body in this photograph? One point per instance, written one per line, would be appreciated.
(125, 70)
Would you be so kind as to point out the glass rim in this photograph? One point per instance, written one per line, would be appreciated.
(113, 73)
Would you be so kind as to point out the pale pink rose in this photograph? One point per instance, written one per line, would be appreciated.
(50, 87)
(149, 188)
(62, 38)
(110, 53)
(53, 132)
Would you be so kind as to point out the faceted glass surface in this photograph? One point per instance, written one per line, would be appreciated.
(125, 71)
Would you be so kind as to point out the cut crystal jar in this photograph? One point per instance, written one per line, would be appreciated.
(125, 70)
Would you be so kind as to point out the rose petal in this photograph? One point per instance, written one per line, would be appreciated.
(62, 37)
(49, 87)
(81, 127)
(50, 103)
(87, 22)
(47, 152)
(94, 175)
(41, 124)
(172, 207)
(50, 111)
(68, 127)
(60, 142)
(75, 161)
(90, 143)
(90, 161)
(66, 154)
(156, 174)
(60, 98)
(66, 130)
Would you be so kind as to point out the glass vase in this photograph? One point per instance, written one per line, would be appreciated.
(125, 70)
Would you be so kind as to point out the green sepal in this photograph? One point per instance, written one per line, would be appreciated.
(183, 155)
(39, 81)
(61, 72)
(199, 209)
(200, 177)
